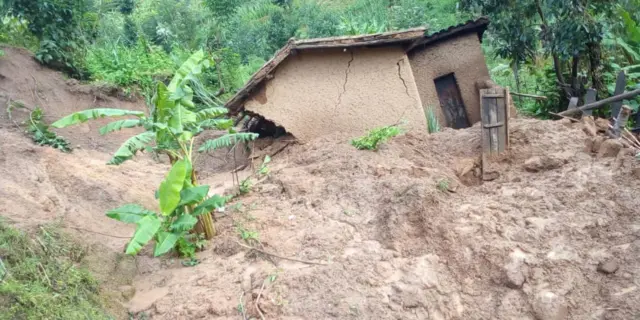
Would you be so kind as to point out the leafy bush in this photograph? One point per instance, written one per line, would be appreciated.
(375, 137)
(40, 277)
(128, 66)
(41, 135)
(14, 31)
(63, 28)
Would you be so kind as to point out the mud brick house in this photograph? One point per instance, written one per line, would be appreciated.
(353, 84)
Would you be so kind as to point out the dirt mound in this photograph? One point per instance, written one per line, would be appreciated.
(557, 242)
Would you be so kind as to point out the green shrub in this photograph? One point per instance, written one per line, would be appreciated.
(375, 137)
(128, 66)
(41, 135)
(64, 28)
(15, 32)
(40, 277)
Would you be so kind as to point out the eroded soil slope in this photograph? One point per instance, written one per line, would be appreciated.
(399, 246)
(22, 79)
(40, 185)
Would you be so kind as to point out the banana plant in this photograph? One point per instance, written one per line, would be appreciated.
(181, 204)
(170, 128)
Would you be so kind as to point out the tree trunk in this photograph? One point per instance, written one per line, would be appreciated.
(595, 67)
(578, 82)
(205, 223)
(516, 75)
(557, 66)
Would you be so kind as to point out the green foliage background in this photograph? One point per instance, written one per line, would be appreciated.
(131, 43)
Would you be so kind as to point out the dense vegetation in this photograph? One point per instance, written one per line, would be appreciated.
(554, 48)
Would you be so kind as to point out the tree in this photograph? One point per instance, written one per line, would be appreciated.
(173, 123)
(130, 29)
(570, 32)
(58, 25)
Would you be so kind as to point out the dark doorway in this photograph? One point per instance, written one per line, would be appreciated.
(451, 102)
(263, 127)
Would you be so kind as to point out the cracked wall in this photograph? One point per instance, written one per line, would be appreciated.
(462, 56)
(317, 92)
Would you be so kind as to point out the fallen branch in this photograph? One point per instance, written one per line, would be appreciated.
(241, 306)
(258, 300)
(281, 257)
(631, 140)
(95, 232)
(565, 117)
(9, 108)
(526, 95)
(275, 152)
(632, 136)
(601, 103)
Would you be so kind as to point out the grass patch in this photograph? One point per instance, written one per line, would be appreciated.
(433, 125)
(41, 279)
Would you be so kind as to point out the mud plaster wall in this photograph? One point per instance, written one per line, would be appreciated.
(462, 56)
(321, 91)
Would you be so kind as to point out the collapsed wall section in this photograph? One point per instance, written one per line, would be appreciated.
(315, 92)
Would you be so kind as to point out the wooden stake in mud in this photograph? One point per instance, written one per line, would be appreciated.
(589, 97)
(621, 120)
(621, 84)
(494, 128)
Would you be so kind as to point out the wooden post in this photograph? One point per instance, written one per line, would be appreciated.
(621, 84)
(507, 118)
(621, 120)
(573, 103)
(589, 97)
(494, 127)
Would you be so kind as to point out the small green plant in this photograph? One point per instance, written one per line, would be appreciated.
(443, 185)
(375, 137)
(264, 170)
(246, 234)
(433, 125)
(348, 213)
(41, 135)
(237, 207)
(245, 186)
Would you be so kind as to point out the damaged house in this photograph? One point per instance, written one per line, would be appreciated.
(354, 84)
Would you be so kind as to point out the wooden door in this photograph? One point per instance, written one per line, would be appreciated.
(451, 102)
